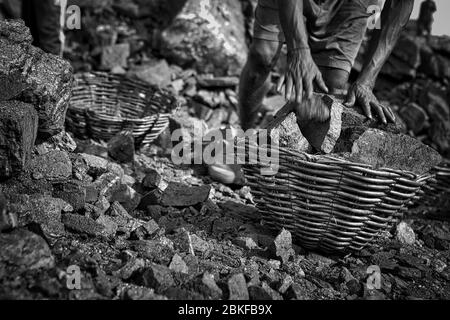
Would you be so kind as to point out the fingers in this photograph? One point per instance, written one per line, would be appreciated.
(308, 89)
(380, 111)
(389, 113)
(299, 91)
(351, 98)
(320, 83)
(367, 109)
(289, 86)
(280, 83)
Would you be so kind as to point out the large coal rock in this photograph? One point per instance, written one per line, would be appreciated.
(30, 75)
(18, 128)
(208, 35)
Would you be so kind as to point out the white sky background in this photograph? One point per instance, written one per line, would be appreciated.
(441, 17)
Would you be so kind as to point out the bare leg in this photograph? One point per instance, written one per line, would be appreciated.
(255, 82)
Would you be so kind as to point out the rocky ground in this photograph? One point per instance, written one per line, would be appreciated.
(139, 227)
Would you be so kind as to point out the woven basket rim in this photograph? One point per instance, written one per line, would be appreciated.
(329, 160)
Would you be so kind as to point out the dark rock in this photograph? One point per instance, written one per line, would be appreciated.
(107, 185)
(110, 227)
(285, 284)
(409, 273)
(121, 147)
(127, 197)
(395, 151)
(155, 276)
(152, 180)
(73, 192)
(258, 293)
(237, 287)
(282, 246)
(18, 130)
(54, 166)
(43, 80)
(22, 250)
(81, 224)
(181, 195)
(208, 35)
(153, 198)
(8, 220)
(115, 56)
(120, 216)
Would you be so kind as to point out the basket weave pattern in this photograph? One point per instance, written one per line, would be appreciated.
(103, 105)
(330, 204)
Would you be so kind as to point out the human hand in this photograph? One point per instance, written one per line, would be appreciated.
(363, 95)
(300, 76)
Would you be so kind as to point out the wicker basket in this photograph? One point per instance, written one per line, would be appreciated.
(327, 203)
(103, 105)
(436, 193)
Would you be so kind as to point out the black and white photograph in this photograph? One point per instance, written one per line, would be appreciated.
(224, 158)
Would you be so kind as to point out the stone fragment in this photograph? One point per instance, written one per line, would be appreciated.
(152, 180)
(324, 135)
(237, 287)
(54, 166)
(22, 250)
(181, 195)
(42, 210)
(120, 216)
(121, 147)
(61, 142)
(18, 129)
(73, 192)
(127, 197)
(286, 133)
(44, 80)
(256, 292)
(405, 234)
(155, 276)
(208, 35)
(282, 246)
(285, 284)
(155, 73)
(395, 151)
(152, 198)
(178, 265)
(110, 227)
(209, 286)
(82, 224)
(115, 56)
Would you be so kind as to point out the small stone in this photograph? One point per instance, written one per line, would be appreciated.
(237, 287)
(256, 292)
(151, 227)
(54, 166)
(155, 73)
(209, 81)
(405, 234)
(152, 180)
(155, 276)
(152, 198)
(121, 147)
(61, 142)
(127, 197)
(109, 225)
(246, 243)
(181, 195)
(73, 192)
(285, 284)
(115, 56)
(210, 287)
(274, 295)
(178, 265)
(125, 222)
(81, 224)
(282, 246)
(198, 244)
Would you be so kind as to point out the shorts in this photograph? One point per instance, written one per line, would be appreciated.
(336, 28)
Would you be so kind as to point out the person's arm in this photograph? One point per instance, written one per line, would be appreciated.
(394, 17)
(302, 71)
